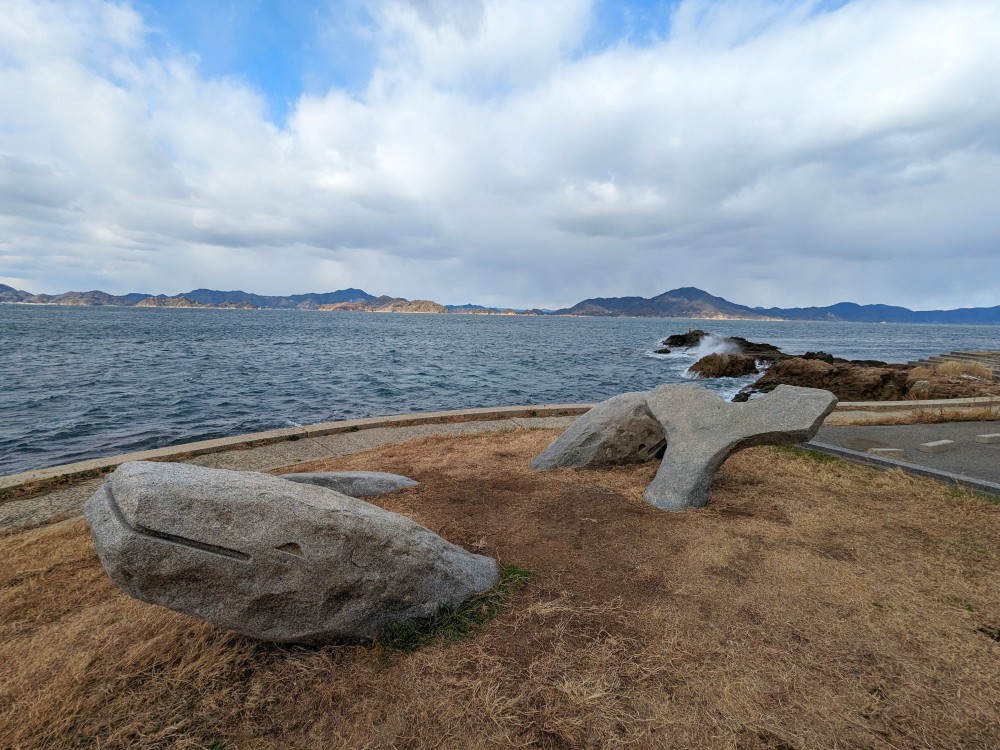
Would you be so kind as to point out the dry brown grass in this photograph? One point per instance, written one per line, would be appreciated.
(985, 413)
(811, 605)
(956, 368)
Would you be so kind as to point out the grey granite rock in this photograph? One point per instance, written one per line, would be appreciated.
(703, 430)
(617, 431)
(273, 559)
(353, 483)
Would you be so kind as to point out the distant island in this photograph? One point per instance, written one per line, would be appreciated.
(690, 302)
(347, 300)
(686, 302)
(400, 305)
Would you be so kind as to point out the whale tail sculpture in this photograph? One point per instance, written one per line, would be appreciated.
(700, 431)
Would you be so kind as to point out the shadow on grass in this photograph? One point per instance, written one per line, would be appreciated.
(452, 623)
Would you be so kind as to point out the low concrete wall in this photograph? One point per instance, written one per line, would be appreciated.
(946, 404)
(30, 481)
(55, 475)
(887, 412)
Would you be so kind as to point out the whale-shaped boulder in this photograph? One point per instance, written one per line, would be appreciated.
(273, 559)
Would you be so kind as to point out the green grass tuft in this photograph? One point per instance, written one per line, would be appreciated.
(452, 623)
(794, 450)
(960, 492)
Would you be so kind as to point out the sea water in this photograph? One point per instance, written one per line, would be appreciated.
(81, 382)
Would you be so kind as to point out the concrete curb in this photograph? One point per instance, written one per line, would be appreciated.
(945, 477)
(31, 482)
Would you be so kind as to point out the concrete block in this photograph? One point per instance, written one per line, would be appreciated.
(937, 446)
(991, 438)
(887, 452)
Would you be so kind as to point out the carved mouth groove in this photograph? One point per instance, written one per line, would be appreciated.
(181, 541)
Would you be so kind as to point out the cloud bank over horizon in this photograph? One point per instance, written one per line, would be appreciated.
(510, 152)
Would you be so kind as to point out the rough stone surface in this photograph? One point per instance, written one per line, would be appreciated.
(617, 431)
(920, 390)
(724, 366)
(273, 559)
(861, 380)
(703, 430)
(848, 381)
(353, 483)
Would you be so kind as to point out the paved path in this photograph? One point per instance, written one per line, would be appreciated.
(68, 501)
(967, 459)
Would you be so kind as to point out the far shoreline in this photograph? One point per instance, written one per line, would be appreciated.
(497, 314)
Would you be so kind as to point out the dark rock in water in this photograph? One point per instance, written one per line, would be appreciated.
(869, 363)
(685, 340)
(273, 559)
(867, 380)
(740, 345)
(664, 350)
(766, 352)
(848, 382)
(822, 356)
(831, 360)
(724, 366)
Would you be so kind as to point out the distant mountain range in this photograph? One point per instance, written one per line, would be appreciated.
(387, 304)
(687, 302)
(195, 298)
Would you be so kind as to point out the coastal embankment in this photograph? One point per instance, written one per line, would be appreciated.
(33, 496)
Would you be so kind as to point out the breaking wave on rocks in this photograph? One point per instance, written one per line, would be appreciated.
(678, 365)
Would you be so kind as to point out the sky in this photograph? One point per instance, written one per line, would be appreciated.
(505, 152)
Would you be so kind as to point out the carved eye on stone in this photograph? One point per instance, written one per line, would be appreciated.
(291, 548)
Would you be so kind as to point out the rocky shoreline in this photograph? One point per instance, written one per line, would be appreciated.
(849, 380)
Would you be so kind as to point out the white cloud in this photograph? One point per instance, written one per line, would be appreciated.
(769, 152)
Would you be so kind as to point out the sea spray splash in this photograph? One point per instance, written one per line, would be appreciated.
(713, 344)
(710, 344)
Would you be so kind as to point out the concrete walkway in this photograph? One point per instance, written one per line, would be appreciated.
(966, 458)
(45, 495)
(67, 501)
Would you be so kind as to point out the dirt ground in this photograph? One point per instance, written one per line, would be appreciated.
(812, 604)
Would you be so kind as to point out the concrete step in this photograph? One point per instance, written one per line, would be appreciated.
(970, 358)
